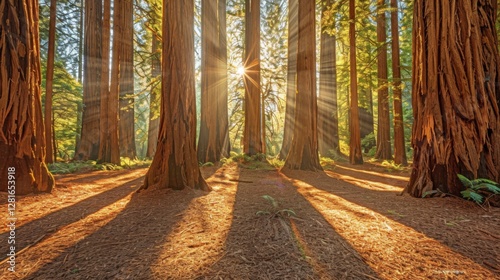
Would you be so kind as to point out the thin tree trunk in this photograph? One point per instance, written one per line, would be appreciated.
(291, 90)
(108, 150)
(328, 117)
(89, 143)
(456, 75)
(355, 154)
(154, 100)
(127, 117)
(303, 153)
(22, 140)
(399, 133)
(384, 128)
(222, 109)
(49, 82)
(175, 164)
(252, 136)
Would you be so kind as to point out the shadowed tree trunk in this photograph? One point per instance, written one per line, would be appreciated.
(355, 155)
(399, 133)
(89, 139)
(291, 90)
(455, 93)
(108, 142)
(175, 164)
(384, 128)
(127, 117)
(303, 152)
(252, 135)
(214, 124)
(154, 99)
(22, 140)
(50, 154)
(328, 117)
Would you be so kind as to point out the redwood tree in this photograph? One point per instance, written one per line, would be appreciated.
(455, 95)
(175, 164)
(213, 140)
(154, 107)
(399, 133)
(355, 154)
(328, 117)
(88, 147)
(252, 135)
(108, 142)
(127, 117)
(384, 128)
(291, 90)
(51, 154)
(22, 140)
(304, 148)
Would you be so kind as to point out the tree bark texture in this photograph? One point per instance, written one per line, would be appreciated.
(355, 154)
(89, 140)
(175, 163)
(291, 85)
(455, 93)
(384, 127)
(328, 117)
(252, 137)
(127, 117)
(50, 155)
(214, 119)
(109, 150)
(303, 153)
(22, 140)
(399, 132)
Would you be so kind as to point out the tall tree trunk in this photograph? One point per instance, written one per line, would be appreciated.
(175, 164)
(49, 155)
(222, 109)
(355, 154)
(108, 143)
(384, 128)
(303, 153)
(291, 90)
(399, 133)
(89, 143)
(22, 140)
(252, 135)
(455, 89)
(212, 85)
(328, 117)
(154, 99)
(127, 117)
(79, 109)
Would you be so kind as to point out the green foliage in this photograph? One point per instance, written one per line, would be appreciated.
(273, 209)
(477, 189)
(276, 162)
(206, 164)
(85, 166)
(369, 143)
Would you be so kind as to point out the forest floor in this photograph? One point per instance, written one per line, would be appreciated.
(350, 223)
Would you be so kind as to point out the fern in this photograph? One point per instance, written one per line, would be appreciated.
(473, 186)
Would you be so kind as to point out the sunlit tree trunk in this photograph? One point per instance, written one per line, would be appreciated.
(154, 99)
(252, 135)
(328, 117)
(355, 154)
(22, 140)
(89, 142)
(175, 164)
(303, 152)
(49, 155)
(455, 95)
(127, 117)
(214, 124)
(79, 109)
(399, 133)
(291, 86)
(108, 142)
(384, 128)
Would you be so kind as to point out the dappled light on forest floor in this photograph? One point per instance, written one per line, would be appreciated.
(197, 241)
(393, 250)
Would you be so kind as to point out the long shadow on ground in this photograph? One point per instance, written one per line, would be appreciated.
(277, 247)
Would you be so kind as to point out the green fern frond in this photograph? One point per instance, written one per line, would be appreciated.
(472, 195)
(465, 181)
(271, 200)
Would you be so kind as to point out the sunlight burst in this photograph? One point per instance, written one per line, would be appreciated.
(241, 70)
